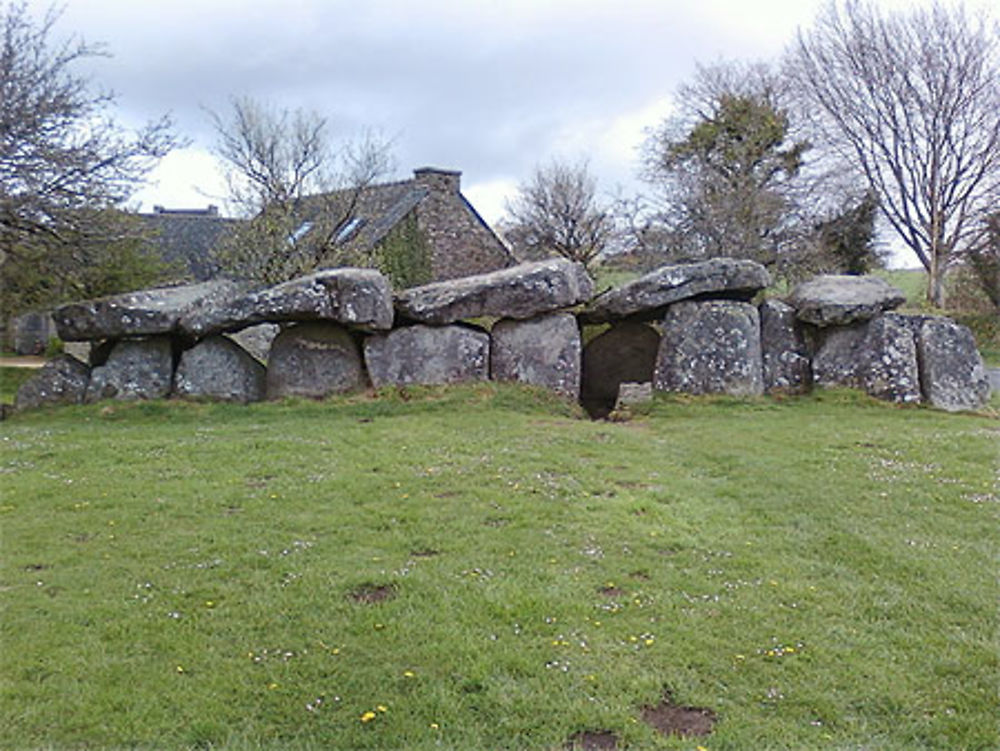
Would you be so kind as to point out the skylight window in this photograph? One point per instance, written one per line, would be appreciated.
(300, 232)
(348, 229)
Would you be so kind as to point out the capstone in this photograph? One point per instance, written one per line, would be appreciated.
(838, 300)
(647, 297)
(359, 298)
(523, 291)
(144, 313)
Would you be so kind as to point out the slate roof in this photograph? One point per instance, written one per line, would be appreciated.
(186, 237)
(378, 207)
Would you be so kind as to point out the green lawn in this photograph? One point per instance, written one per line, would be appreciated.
(818, 572)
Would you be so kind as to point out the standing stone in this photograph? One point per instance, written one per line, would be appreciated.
(624, 353)
(218, 368)
(523, 291)
(994, 375)
(786, 362)
(543, 351)
(878, 356)
(952, 374)
(314, 360)
(62, 380)
(710, 347)
(428, 355)
(837, 300)
(647, 297)
(136, 369)
(32, 332)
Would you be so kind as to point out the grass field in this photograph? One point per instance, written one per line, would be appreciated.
(479, 568)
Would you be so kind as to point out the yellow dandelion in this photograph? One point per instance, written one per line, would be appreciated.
(272, 686)
(367, 716)
(435, 726)
(180, 668)
(382, 708)
(409, 674)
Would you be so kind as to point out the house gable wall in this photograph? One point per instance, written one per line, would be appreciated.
(460, 241)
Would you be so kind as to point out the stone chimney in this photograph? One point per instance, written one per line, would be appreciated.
(212, 210)
(438, 180)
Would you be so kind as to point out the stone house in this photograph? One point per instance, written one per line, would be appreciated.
(427, 214)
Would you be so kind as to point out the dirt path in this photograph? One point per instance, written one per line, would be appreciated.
(21, 362)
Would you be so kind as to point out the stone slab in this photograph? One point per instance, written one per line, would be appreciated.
(62, 380)
(360, 298)
(136, 369)
(838, 300)
(217, 368)
(646, 298)
(952, 374)
(523, 291)
(542, 351)
(785, 352)
(144, 313)
(422, 354)
(710, 347)
(314, 360)
(878, 356)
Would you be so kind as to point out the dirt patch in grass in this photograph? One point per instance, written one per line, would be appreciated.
(611, 591)
(592, 740)
(670, 719)
(371, 594)
(425, 553)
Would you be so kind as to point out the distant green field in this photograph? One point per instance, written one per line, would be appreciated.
(478, 568)
(912, 282)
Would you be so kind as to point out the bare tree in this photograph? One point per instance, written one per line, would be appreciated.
(724, 170)
(912, 101)
(296, 190)
(63, 159)
(557, 212)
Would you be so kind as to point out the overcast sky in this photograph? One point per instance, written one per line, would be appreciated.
(488, 87)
